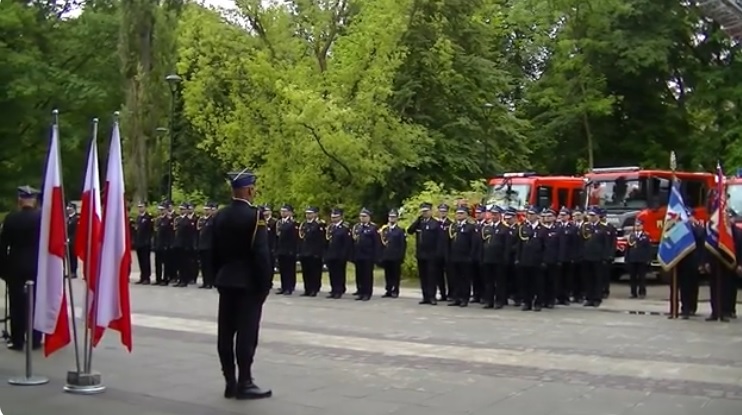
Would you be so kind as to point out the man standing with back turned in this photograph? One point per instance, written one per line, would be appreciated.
(241, 263)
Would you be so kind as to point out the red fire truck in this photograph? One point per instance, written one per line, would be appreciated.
(523, 189)
(628, 193)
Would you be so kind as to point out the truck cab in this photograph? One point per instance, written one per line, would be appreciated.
(628, 193)
(523, 189)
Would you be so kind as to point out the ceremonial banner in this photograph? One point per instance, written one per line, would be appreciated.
(719, 239)
(677, 239)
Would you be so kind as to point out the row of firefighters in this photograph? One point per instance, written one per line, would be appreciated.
(547, 259)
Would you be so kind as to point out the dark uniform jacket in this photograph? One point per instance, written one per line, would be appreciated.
(495, 246)
(164, 232)
(339, 242)
(311, 239)
(462, 236)
(568, 242)
(513, 242)
(239, 254)
(72, 222)
(552, 243)
(367, 245)
(19, 245)
(530, 244)
(612, 238)
(287, 233)
(477, 243)
(186, 235)
(444, 242)
(394, 242)
(205, 228)
(144, 228)
(427, 234)
(579, 242)
(597, 243)
(272, 237)
(638, 248)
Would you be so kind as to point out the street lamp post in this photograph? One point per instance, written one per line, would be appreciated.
(160, 134)
(173, 80)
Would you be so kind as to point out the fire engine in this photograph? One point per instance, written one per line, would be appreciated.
(628, 193)
(523, 189)
(734, 196)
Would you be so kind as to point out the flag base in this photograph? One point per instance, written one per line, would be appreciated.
(84, 383)
(28, 381)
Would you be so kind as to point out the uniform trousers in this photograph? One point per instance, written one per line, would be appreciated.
(287, 270)
(551, 274)
(72, 261)
(495, 284)
(145, 264)
(532, 285)
(18, 314)
(578, 277)
(311, 273)
(477, 281)
(592, 281)
(160, 258)
(605, 279)
(720, 282)
(461, 281)
(187, 265)
(207, 270)
(638, 278)
(392, 275)
(428, 278)
(564, 282)
(365, 277)
(171, 265)
(688, 284)
(443, 278)
(240, 312)
(731, 299)
(513, 281)
(337, 269)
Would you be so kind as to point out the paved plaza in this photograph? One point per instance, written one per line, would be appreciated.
(393, 356)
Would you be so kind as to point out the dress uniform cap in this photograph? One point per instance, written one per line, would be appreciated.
(548, 211)
(141, 204)
(443, 207)
(311, 209)
(183, 205)
(480, 209)
(577, 210)
(336, 212)
(511, 212)
(242, 179)
(287, 208)
(71, 206)
(593, 210)
(532, 210)
(268, 208)
(425, 206)
(639, 222)
(27, 192)
(366, 211)
(495, 209)
(564, 211)
(213, 205)
(161, 206)
(393, 213)
(462, 209)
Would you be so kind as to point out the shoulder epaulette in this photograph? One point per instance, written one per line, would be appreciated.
(470, 221)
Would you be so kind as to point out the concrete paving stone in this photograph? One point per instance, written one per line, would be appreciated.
(363, 407)
(402, 396)
(723, 407)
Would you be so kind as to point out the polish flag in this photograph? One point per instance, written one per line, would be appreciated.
(87, 240)
(111, 304)
(50, 310)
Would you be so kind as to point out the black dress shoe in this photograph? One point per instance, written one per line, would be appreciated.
(17, 348)
(395, 294)
(230, 390)
(252, 391)
(204, 286)
(140, 282)
(489, 306)
(305, 294)
(499, 306)
(182, 284)
(424, 302)
(331, 295)
(537, 308)
(525, 307)
(365, 298)
(433, 302)
(313, 294)
(287, 292)
(454, 304)
(146, 282)
(359, 298)
(712, 318)
(387, 295)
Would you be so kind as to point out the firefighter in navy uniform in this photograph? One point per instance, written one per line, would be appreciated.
(338, 252)
(552, 234)
(270, 223)
(442, 266)
(578, 291)
(163, 236)
(690, 273)
(143, 227)
(729, 305)
(606, 272)
(287, 243)
(19, 250)
(477, 279)
(461, 236)
(510, 215)
(312, 240)
(366, 252)
(597, 252)
(638, 257)
(427, 233)
(185, 246)
(240, 259)
(394, 247)
(205, 228)
(73, 221)
(567, 253)
(530, 259)
(494, 259)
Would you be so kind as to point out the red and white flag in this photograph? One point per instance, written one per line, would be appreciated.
(50, 313)
(111, 307)
(88, 238)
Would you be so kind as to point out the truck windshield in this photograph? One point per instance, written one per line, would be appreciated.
(620, 192)
(504, 195)
(734, 197)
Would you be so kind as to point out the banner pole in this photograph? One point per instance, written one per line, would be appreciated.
(29, 379)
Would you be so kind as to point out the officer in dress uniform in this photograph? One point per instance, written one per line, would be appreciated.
(164, 234)
(729, 306)
(270, 222)
(143, 243)
(366, 252)
(477, 279)
(597, 252)
(567, 253)
(287, 243)
(443, 266)
(530, 257)
(312, 240)
(638, 257)
(73, 220)
(241, 262)
(19, 250)
(494, 260)
(513, 271)
(185, 243)
(205, 227)
(427, 233)
(612, 236)
(338, 252)
(394, 247)
(691, 268)
(552, 233)
(578, 291)
(461, 237)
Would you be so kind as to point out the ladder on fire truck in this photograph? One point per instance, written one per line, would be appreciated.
(728, 13)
